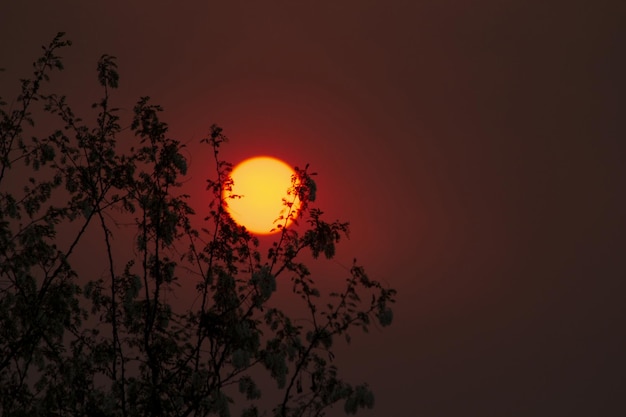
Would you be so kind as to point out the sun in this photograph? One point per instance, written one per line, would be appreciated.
(262, 182)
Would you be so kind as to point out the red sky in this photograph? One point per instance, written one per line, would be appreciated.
(475, 147)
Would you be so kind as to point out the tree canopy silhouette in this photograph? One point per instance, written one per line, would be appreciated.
(72, 345)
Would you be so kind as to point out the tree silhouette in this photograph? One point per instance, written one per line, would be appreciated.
(71, 345)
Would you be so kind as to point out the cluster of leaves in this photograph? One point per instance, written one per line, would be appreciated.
(115, 346)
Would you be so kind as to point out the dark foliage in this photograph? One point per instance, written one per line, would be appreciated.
(115, 346)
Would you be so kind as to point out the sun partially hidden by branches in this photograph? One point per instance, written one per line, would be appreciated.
(73, 345)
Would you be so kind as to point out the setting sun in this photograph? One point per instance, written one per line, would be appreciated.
(262, 182)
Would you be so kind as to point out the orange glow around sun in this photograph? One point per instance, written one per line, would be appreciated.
(262, 182)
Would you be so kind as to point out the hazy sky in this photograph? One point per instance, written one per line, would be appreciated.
(476, 147)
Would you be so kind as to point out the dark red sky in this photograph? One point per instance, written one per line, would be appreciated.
(476, 147)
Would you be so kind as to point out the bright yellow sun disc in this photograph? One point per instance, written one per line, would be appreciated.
(262, 182)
